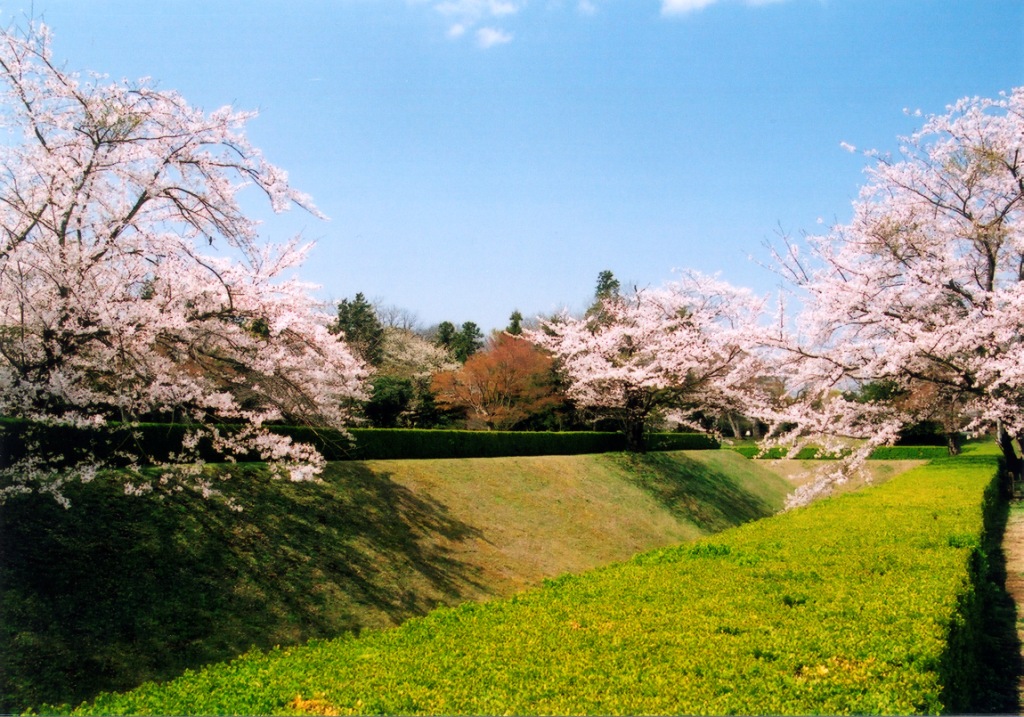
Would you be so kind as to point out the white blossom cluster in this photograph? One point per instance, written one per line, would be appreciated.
(133, 286)
(923, 289)
(685, 347)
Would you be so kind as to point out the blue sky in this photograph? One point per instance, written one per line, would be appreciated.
(480, 156)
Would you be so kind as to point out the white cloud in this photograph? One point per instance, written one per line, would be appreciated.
(499, 9)
(490, 36)
(680, 7)
(473, 10)
(484, 18)
(467, 14)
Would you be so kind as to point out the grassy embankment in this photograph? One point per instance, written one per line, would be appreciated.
(875, 601)
(119, 590)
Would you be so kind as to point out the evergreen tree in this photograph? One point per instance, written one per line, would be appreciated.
(461, 343)
(515, 324)
(607, 286)
(392, 396)
(363, 332)
(606, 292)
(445, 335)
(467, 341)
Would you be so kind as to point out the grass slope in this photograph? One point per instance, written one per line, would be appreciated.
(119, 590)
(866, 603)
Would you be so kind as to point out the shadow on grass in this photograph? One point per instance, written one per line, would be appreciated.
(996, 648)
(118, 590)
(709, 498)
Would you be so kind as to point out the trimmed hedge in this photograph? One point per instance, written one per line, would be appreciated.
(161, 440)
(754, 451)
(110, 442)
(882, 453)
(410, 443)
(383, 443)
(904, 453)
(681, 442)
(870, 603)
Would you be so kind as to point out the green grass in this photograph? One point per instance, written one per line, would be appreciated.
(882, 453)
(712, 489)
(872, 602)
(119, 590)
(904, 453)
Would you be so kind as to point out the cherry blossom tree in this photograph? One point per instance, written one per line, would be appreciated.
(924, 287)
(401, 383)
(683, 348)
(132, 285)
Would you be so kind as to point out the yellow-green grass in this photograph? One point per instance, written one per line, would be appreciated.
(753, 449)
(121, 589)
(799, 471)
(539, 517)
(871, 602)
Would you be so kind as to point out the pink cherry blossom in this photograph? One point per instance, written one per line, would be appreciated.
(132, 285)
(682, 349)
(922, 288)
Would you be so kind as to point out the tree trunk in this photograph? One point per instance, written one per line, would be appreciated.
(1012, 462)
(953, 443)
(634, 432)
(736, 433)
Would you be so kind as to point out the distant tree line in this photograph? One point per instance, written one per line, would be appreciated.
(451, 375)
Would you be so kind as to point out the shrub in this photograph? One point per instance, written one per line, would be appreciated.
(681, 442)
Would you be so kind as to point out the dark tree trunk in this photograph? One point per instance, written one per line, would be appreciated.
(1011, 461)
(953, 443)
(634, 432)
(634, 420)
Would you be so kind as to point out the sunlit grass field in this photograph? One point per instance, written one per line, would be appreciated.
(120, 589)
(871, 602)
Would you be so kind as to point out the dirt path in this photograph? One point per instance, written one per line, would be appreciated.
(1013, 549)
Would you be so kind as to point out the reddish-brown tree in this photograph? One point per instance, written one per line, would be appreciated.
(510, 380)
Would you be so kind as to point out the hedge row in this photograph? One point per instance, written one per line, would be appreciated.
(905, 453)
(383, 443)
(159, 441)
(112, 443)
(868, 603)
(882, 453)
(681, 442)
(118, 444)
